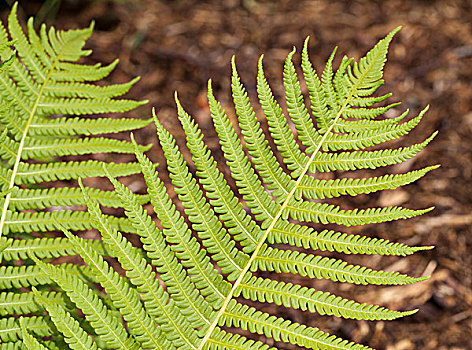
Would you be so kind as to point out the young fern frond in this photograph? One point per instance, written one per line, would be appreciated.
(190, 283)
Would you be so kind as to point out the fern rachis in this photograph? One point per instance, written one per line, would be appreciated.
(186, 287)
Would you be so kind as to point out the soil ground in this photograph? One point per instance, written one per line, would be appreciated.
(178, 45)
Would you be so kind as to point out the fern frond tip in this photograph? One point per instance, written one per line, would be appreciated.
(177, 102)
(210, 88)
(92, 25)
(421, 248)
(422, 279)
(154, 117)
(307, 40)
(427, 210)
(409, 312)
(290, 55)
(396, 30)
(14, 7)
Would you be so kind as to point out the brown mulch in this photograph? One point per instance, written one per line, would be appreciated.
(179, 45)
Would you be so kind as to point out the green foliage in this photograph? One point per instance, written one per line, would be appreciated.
(188, 284)
(48, 101)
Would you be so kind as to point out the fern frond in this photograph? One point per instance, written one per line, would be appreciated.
(312, 188)
(327, 85)
(347, 126)
(318, 102)
(204, 221)
(326, 162)
(197, 267)
(326, 213)
(250, 187)
(370, 138)
(206, 279)
(297, 110)
(156, 299)
(163, 257)
(28, 340)
(55, 220)
(327, 240)
(248, 318)
(60, 147)
(347, 88)
(19, 345)
(194, 306)
(278, 126)
(86, 90)
(263, 158)
(22, 199)
(79, 106)
(37, 173)
(231, 211)
(221, 340)
(42, 79)
(74, 126)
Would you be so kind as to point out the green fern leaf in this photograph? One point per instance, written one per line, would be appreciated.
(192, 280)
(55, 220)
(316, 266)
(248, 318)
(22, 199)
(327, 240)
(42, 78)
(156, 300)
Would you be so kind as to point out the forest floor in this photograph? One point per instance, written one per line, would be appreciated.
(179, 45)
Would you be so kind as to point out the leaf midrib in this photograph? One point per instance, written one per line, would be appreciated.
(22, 142)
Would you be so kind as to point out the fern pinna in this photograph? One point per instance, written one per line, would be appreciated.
(187, 286)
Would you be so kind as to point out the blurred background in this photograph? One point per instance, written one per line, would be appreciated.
(178, 45)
